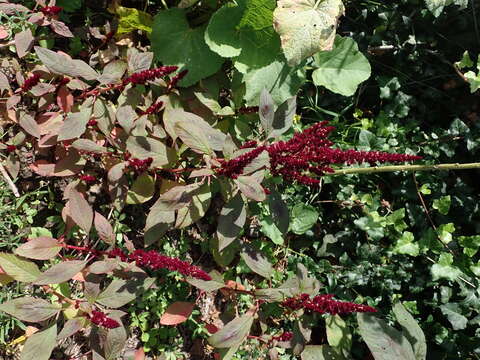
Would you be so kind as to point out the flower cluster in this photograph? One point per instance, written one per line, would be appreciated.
(249, 144)
(143, 76)
(153, 109)
(324, 304)
(51, 10)
(100, 319)
(286, 336)
(307, 156)
(92, 122)
(140, 166)
(248, 110)
(11, 148)
(88, 179)
(30, 82)
(233, 168)
(174, 81)
(155, 261)
(63, 81)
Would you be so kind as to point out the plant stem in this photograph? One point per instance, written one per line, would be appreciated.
(391, 168)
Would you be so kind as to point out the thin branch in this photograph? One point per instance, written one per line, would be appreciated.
(9, 181)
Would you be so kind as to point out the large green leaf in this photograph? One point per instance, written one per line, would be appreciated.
(174, 42)
(30, 309)
(280, 80)
(231, 221)
(412, 331)
(18, 268)
(436, 6)
(385, 342)
(342, 69)
(233, 333)
(306, 26)
(303, 218)
(40, 345)
(453, 312)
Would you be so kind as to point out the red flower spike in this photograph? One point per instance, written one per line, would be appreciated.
(248, 110)
(92, 122)
(155, 261)
(249, 144)
(88, 179)
(11, 148)
(138, 165)
(153, 109)
(30, 82)
(174, 81)
(286, 336)
(100, 319)
(143, 76)
(307, 156)
(51, 10)
(324, 304)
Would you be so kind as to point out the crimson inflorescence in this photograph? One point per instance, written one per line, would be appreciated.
(100, 319)
(143, 76)
(249, 144)
(30, 82)
(233, 168)
(286, 336)
(51, 10)
(138, 165)
(324, 304)
(11, 148)
(307, 156)
(153, 109)
(88, 179)
(174, 81)
(63, 81)
(92, 122)
(155, 261)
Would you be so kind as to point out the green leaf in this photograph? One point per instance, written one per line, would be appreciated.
(60, 272)
(338, 334)
(231, 221)
(384, 341)
(120, 292)
(175, 43)
(143, 147)
(406, 245)
(232, 334)
(41, 248)
(142, 189)
(18, 268)
(306, 27)
(74, 125)
(40, 345)
(280, 80)
(342, 69)
(130, 19)
(256, 261)
(443, 269)
(466, 61)
(412, 331)
(63, 65)
(270, 229)
(30, 309)
(196, 209)
(442, 204)
(279, 211)
(453, 312)
(70, 5)
(320, 352)
(209, 286)
(303, 217)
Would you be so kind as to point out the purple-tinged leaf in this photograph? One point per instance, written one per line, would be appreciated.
(232, 334)
(71, 327)
(60, 28)
(256, 261)
(61, 272)
(138, 61)
(23, 42)
(30, 309)
(104, 229)
(41, 248)
(74, 125)
(231, 221)
(251, 188)
(80, 211)
(40, 345)
(28, 123)
(89, 146)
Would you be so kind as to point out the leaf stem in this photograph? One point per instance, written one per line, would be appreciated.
(392, 168)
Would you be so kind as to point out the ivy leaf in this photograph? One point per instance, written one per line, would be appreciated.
(18, 268)
(40, 345)
(453, 312)
(175, 43)
(442, 204)
(41, 248)
(342, 69)
(384, 341)
(306, 26)
(443, 269)
(30, 309)
(63, 65)
(406, 245)
(232, 334)
(177, 313)
(231, 221)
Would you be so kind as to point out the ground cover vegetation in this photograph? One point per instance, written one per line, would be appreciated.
(249, 179)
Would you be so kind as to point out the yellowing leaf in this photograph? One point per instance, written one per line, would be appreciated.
(130, 19)
(306, 26)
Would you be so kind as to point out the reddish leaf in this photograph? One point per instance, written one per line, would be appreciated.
(139, 354)
(64, 99)
(211, 328)
(41, 248)
(30, 309)
(60, 272)
(60, 28)
(104, 229)
(3, 33)
(23, 42)
(80, 211)
(28, 123)
(177, 313)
